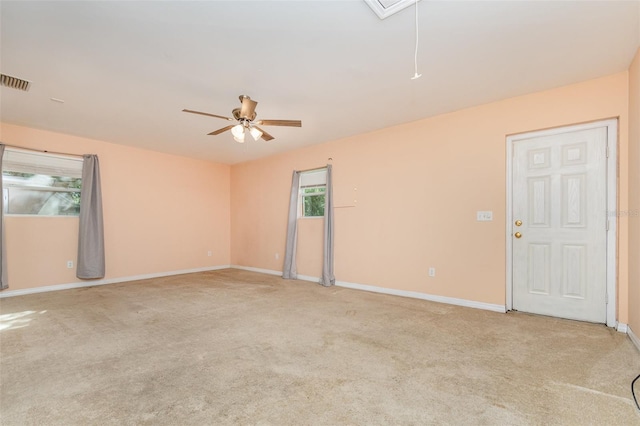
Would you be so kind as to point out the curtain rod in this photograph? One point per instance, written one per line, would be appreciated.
(311, 170)
(42, 150)
(329, 160)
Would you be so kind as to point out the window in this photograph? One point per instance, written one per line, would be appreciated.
(41, 184)
(313, 186)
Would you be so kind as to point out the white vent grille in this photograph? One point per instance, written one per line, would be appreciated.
(14, 82)
(386, 8)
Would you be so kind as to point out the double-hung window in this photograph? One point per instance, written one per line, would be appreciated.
(41, 184)
(313, 186)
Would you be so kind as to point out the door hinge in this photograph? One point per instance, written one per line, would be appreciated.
(607, 152)
(607, 225)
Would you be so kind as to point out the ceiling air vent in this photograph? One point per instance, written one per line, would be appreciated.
(14, 83)
(386, 8)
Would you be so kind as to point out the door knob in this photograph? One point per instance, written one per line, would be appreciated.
(518, 222)
(517, 235)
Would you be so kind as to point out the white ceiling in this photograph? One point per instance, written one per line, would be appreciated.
(126, 69)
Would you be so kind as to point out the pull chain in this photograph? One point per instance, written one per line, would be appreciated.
(415, 56)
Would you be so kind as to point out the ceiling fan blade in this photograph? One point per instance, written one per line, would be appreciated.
(290, 123)
(224, 129)
(207, 114)
(248, 108)
(266, 136)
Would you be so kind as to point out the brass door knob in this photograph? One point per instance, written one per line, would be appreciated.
(518, 222)
(517, 235)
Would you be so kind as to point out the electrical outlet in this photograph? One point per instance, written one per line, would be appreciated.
(70, 264)
(209, 253)
(277, 256)
(432, 272)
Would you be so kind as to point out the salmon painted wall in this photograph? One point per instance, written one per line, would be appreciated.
(634, 195)
(162, 213)
(406, 197)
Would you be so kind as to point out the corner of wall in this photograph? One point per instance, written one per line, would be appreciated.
(633, 216)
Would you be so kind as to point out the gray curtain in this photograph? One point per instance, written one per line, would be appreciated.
(4, 283)
(289, 269)
(91, 262)
(328, 278)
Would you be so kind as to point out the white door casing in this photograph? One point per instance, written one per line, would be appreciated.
(559, 186)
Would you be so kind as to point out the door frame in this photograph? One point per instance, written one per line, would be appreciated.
(612, 200)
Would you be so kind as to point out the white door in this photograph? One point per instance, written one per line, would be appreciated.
(559, 229)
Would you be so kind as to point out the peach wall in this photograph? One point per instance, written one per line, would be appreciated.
(162, 213)
(634, 195)
(407, 196)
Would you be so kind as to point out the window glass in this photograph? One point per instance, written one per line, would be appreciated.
(41, 184)
(313, 186)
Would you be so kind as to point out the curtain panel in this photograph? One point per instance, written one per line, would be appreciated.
(4, 283)
(289, 270)
(328, 278)
(91, 258)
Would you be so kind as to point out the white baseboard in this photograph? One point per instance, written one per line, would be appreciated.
(260, 270)
(424, 296)
(621, 327)
(272, 272)
(633, 337)
(309, 278)
(394, 292)
(21, 292)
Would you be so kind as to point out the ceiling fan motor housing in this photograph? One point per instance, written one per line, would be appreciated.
(237, 115)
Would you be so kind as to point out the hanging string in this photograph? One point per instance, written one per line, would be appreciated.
(415, 56)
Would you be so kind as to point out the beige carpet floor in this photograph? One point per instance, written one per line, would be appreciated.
(236, 347)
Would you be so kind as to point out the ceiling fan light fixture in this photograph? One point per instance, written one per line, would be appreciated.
(255, 133)
(239, 139)
(238, 132)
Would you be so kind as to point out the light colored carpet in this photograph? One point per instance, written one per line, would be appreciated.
(235, 347)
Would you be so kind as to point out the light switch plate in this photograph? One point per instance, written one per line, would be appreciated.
(484, 216)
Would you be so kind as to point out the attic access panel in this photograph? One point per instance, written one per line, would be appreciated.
(386, 8)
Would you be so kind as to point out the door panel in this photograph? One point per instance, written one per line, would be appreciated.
(560, 196)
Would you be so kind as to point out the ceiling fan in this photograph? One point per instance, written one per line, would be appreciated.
(244, 118)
